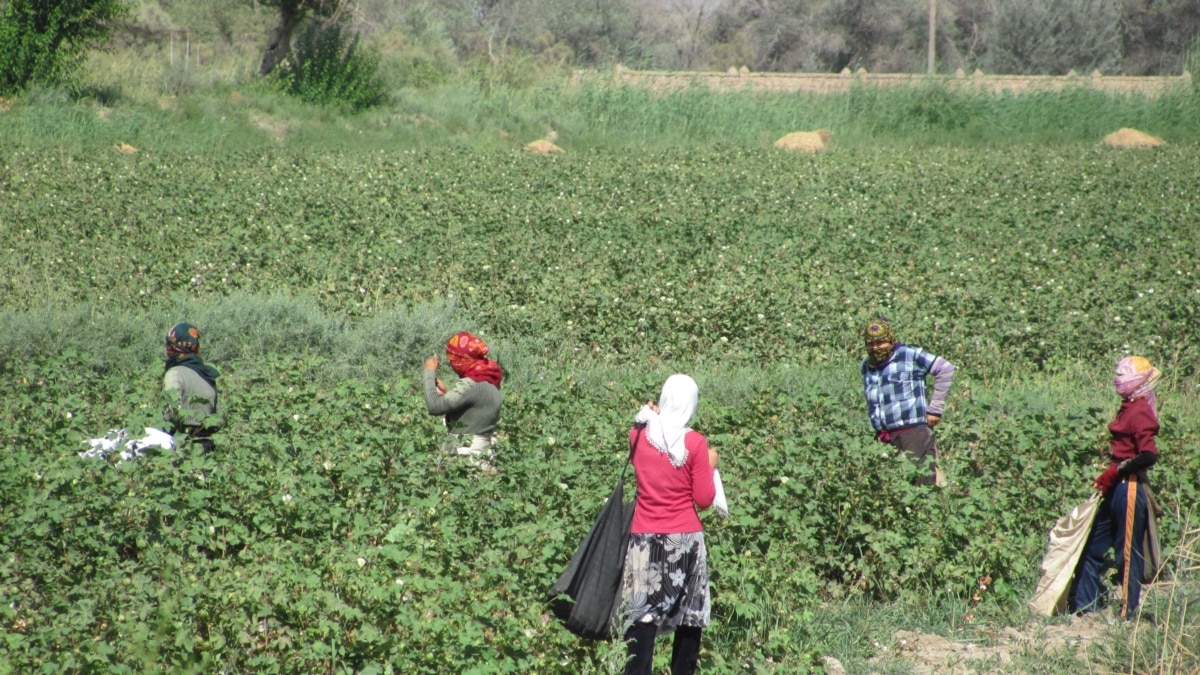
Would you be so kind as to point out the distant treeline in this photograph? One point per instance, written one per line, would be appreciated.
(1047, 37)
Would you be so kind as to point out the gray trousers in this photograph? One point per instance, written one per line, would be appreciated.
(921, 447)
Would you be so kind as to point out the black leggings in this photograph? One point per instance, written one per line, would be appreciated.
(685, 652)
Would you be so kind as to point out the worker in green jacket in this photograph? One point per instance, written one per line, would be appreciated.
(191, 386)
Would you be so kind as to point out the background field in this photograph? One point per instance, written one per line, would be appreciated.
(328, 535)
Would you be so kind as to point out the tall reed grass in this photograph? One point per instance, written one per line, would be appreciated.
(150, 98)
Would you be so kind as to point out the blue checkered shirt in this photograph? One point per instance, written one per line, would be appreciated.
(895, 392)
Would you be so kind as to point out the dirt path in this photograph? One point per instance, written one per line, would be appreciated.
(994, 652)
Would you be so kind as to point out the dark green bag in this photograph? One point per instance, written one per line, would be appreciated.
(587, 596)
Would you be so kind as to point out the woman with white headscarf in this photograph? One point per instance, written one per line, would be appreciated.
(665, 584)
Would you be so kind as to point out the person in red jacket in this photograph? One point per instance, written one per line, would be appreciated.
(665, 582)
(1124, 512)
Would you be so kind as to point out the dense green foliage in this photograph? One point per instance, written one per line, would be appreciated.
(45, 42)
(327, 534)
(329, 66)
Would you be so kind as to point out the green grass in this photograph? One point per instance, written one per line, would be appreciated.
(145, 100)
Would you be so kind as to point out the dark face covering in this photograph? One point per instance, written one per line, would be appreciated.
(880, 341)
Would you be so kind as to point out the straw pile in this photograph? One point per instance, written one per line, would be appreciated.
(1131, 138)
(804, 141)
(542, 147)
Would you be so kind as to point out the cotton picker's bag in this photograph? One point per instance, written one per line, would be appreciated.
(586, 598)
(1067, 539)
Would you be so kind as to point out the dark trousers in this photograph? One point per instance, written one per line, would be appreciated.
(685, 652)
(202, 437)
(919, 444)
(1108, 532)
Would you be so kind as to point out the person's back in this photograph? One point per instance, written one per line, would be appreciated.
(666, 494)
(191, 386)
(665, 579)
(197, 399)
(472, 407)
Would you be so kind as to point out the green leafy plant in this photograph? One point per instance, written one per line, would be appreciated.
(45, 43)
(328, 533)
(330, 66)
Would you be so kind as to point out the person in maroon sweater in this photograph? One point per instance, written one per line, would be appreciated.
(1124, 512)
(665, 582)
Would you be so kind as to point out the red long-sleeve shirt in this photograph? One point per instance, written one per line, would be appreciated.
(1133, 430)
(667, 498)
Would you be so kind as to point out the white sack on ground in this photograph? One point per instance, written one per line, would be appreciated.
(1067, 539)
(117, 438)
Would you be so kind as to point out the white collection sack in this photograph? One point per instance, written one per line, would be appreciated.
(119, 438)
(1067, 539)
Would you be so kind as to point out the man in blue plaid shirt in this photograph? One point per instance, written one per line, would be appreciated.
(894, 386)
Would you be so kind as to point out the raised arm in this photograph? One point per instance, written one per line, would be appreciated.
(452, 401)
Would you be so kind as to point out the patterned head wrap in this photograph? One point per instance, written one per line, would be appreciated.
(182, 339)
(1137, 378)
(879, 330)
(467, 355)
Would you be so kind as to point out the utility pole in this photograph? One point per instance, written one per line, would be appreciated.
(932, 36)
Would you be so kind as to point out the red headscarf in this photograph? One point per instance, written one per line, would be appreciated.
(467, 355)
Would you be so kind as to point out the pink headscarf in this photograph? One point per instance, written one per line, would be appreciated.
(1136, 378)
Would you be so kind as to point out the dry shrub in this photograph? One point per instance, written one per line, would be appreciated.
(1131, 138)
(804, 141)
(125, 148)
(542, 147)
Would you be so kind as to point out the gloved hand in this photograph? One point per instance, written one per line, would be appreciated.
(1107, 480)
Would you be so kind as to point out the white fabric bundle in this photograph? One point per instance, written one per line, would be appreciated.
(117, 438)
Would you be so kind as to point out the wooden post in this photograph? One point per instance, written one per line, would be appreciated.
(932, 36)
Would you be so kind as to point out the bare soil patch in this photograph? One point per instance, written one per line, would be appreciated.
(276, 127)
(741, 79)
(996, 651)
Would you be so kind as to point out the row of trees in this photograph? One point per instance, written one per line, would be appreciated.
(1136, 37)
(46, 40)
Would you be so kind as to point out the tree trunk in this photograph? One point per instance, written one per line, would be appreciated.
(280, 43)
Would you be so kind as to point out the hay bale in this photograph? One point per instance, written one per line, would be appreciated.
(1131, 138)
(542, 147)
(126, 148)
(804, 141)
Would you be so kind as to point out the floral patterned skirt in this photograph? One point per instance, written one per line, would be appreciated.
(666, 581)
